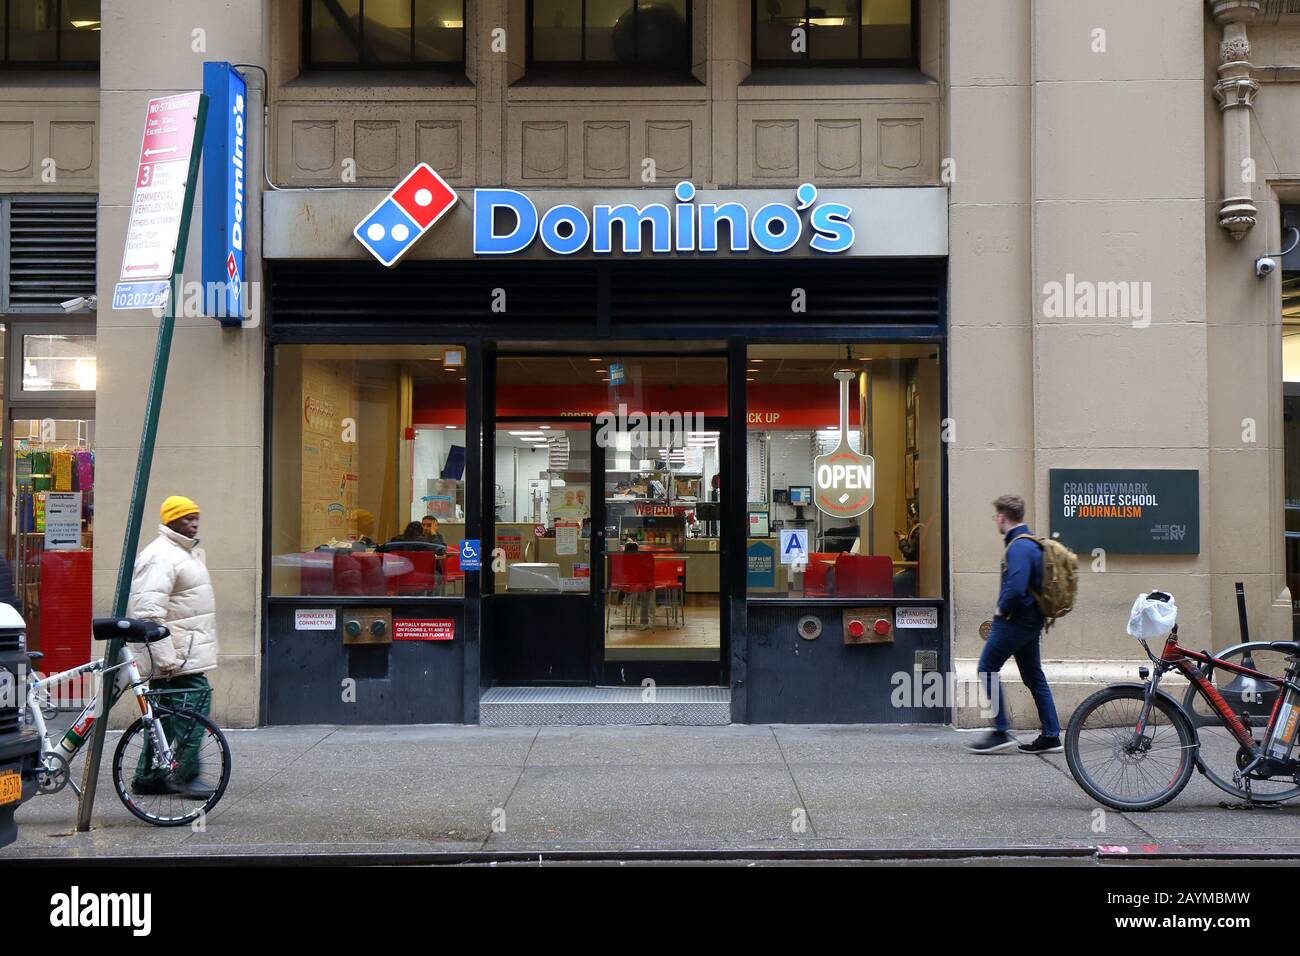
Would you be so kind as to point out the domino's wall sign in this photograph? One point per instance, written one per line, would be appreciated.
(688, 226)
(509, 222)
(394, 226)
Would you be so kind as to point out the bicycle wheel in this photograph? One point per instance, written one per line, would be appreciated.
(1221, 754)
(1121, 769)
(179, 795)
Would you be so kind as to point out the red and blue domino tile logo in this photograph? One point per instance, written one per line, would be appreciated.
(407, 213)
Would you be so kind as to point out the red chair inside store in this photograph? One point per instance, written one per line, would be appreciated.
(421, 576)
(451, 572)
(816, 576)
(864, 575)
(668, 578)
(630, 572)
(358, 574)
(317, 573)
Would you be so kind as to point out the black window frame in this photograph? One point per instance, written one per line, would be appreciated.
(9, 64)
(411, 65)
(595, 66)
(805, 61)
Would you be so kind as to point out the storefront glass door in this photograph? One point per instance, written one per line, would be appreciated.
(543, 589)
(663, 506)
(611, 498)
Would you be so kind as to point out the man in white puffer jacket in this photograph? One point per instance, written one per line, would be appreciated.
(170, 585)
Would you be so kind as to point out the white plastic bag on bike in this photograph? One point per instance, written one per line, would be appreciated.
(1151, 619)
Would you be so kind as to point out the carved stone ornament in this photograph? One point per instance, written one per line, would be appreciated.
(1234, 91)
(1234, 49)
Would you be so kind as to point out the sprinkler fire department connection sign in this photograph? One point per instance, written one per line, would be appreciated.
(159, 201)
(844, 480)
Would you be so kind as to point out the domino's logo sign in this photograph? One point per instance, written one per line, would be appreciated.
(406, 214)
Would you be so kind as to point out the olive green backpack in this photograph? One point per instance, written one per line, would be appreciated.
(1060, 578)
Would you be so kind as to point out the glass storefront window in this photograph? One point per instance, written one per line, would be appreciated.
(58, 363)
(809, 535)
(368, 470)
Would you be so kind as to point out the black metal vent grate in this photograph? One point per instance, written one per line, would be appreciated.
(645, 298)
(451, 293)
(51, 248)
(796, 292)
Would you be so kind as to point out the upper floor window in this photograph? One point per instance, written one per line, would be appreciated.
(383, 34)
(834, 32)
(49, 33)
(610, 33)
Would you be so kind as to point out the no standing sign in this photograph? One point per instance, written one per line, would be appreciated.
(158, 206)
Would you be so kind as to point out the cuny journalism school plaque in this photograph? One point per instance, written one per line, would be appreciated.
(1126, 510)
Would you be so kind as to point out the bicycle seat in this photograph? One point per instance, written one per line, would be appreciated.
(1286, 647)
(34, 656)
(127, 629)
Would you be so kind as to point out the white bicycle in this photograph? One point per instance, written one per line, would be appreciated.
(172, 764)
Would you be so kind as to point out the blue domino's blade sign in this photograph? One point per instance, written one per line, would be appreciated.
(224, 210)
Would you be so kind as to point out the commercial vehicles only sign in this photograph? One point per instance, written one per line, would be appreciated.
(844, 480)
(159, 201)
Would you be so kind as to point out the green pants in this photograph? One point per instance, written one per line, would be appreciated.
(190, 692)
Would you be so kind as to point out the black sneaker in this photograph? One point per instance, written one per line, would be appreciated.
(1043, 745)
(995, 741)
(191, 790)
(148, 789)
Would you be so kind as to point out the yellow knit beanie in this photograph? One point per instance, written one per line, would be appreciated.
(177, 506)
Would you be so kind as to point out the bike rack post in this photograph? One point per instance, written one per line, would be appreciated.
(1242, 624)
(140, 488)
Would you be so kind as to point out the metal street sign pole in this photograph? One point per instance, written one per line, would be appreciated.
(140, 488)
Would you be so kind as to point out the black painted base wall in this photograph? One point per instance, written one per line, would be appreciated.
(405, 682)
(537, 639)
(794, 681)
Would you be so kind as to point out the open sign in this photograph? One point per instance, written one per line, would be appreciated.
(844, 480)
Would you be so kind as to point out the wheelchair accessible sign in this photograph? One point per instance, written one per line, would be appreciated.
(469, 555)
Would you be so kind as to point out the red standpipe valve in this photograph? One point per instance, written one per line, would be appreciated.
(881, 627)
(856, 628)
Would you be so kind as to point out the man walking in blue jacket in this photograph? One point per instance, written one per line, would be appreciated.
(1017, 627)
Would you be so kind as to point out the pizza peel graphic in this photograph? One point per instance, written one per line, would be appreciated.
(845, 479)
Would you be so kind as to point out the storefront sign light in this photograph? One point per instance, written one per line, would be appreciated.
(688, 226)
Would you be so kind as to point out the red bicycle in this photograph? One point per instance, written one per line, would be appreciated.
(1132, 746)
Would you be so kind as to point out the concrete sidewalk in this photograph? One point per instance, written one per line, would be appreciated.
(425, 789)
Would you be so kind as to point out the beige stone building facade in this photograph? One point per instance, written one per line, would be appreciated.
(1108, 142)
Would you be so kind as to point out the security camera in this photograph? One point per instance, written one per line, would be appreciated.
(1266, 264)
(79, 303)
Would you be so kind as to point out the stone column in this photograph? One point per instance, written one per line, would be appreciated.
(1235, 90)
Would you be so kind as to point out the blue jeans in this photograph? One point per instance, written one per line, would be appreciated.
(1006, 640)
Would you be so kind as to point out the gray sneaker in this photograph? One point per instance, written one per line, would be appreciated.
(994, 742)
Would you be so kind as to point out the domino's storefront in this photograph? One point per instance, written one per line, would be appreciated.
(527, 448)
